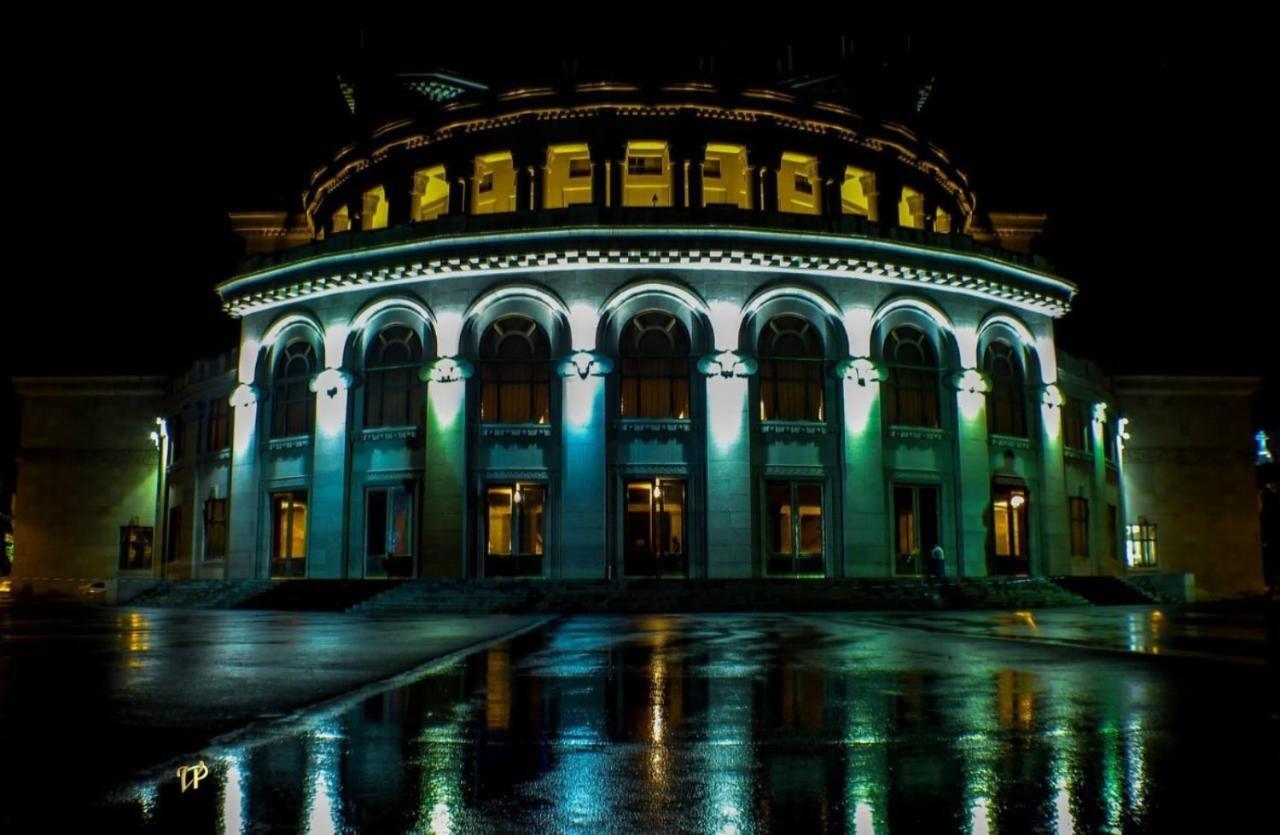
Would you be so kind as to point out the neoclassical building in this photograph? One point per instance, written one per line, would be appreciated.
(612, 330)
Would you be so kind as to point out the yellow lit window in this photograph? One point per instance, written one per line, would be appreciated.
(646, 179)
(495, 184)
(941, 220)
(726, 177)
(911, 209)
(376, 209)
(857, 192)
(341, 221)
(567, 181)
(798, 190)
(430, 194)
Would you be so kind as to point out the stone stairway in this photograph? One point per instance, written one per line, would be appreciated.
(200, 594)
(1105, 591)
(772, 595)
(316, 595)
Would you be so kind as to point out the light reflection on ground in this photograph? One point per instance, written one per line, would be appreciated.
(738, 723)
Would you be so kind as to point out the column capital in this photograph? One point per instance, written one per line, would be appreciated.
(584, 364)
(970, 380)
(863, 370)
(727, 364)
(446, 370)
(331, 381)
(245, 394)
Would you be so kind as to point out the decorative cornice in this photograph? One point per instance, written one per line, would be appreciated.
(508, 474)
(291, 442)
(918, 433)
(515, 430)
(793, 427)
(332, 273)
(633, 470)
(1009, 441)
(795, 471)
(654, 425)
(389, 433)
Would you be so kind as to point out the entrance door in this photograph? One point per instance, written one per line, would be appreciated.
(1009, 550)
(655, 538)
(389, 532)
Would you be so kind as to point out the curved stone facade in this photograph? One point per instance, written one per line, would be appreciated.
(608, 332)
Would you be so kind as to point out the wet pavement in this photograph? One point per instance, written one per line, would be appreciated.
(88, 694)
(765, 723)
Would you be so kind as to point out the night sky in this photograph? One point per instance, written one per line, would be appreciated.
(1144, 143)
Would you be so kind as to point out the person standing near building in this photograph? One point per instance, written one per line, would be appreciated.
(937, 560)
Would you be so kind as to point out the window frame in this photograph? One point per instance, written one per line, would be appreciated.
(218, 425)
(803, 563)
(145, 550)
(493, 367)
(809, 372)
(515, 563)
(295, 389)
(913, 564)
(638, 366)
(1078, 521)
(215, 522)
(295, 565)
(1007, 399)
(930, 407)
(405, 376)
(1141, 545)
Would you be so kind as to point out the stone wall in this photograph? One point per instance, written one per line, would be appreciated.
(86, 467)
(1189, 469)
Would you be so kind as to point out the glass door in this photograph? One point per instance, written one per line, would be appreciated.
(794, 536)
(1010, 553)
(388, 525)
(655, 537)
(513, 529)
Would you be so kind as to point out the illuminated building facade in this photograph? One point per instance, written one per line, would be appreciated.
(611, 331)
(606, 330)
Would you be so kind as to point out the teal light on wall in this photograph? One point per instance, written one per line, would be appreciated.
(1051, 401)
(971, 386)
(330, 387)
(726, 415)
(244, 405)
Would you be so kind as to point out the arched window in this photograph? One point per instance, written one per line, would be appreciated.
(392, 390)
(515, 369)
(790, 353)
(1006, 402)
(654, 353)
(911, 392)
(292, 401)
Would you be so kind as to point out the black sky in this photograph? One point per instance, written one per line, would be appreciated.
(1145, 144)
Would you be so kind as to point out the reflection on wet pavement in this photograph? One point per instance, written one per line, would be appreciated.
(753, 723)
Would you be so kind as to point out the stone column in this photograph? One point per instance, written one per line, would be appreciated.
(870, 188)
(244, 508)
(444, 490)
(729, 487)
(583, 510)
(866, 544)
(1099, 524)
(1055, 538)
(973, 469)
(327, 505)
